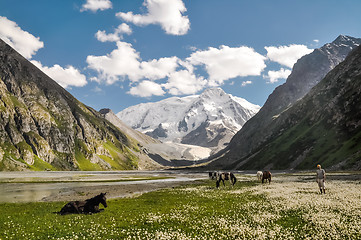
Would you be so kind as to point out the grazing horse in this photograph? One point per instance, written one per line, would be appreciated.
(226, 176)
(90, 205)
(266, 176)
(259, 175)
(213, 175)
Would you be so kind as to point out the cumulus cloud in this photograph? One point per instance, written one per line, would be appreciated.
(184, 82)
(120, 63)
(177, 76)
(287, 55)
(158, 68)
(65, 77)
(95, 5)
(275, 76)
(147, 89)
(116, 36)
(316, 40)
(167, 13)
(125, 62)
(245, 83)
(226, 63)
(23, 42)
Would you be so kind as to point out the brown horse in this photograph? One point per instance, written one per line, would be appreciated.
(226, 176)
(266, 176)
(90, 205)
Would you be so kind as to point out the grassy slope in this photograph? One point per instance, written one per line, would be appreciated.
(320, 143)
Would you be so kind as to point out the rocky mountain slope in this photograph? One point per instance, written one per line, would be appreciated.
(323, 127)
(42, 126)
(208, 120)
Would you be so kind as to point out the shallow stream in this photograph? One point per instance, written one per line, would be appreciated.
(39, 186)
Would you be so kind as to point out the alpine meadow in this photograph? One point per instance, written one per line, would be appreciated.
(180, 119)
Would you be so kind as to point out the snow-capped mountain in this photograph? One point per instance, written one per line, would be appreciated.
(208, 120)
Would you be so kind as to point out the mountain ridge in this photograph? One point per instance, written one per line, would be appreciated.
(307, 73)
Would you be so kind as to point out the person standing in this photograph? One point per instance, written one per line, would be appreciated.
(320, 178)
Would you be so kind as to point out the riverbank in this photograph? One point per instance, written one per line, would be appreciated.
(291, 207)
(68, 186)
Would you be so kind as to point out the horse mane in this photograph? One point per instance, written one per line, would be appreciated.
(96, 199)
(93, 198)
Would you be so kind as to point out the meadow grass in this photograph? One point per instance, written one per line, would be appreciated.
(288, 208)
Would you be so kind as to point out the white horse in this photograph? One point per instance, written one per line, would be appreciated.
(226, 176)
(259, 175)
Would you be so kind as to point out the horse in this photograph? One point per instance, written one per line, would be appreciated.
(213, 175)
(226, 176)
(266, 176)
(259, 175)
(88, 206)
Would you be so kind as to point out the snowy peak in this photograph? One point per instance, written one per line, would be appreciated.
(213, 93)
(346, 40)
(337, 51)
(209, 119)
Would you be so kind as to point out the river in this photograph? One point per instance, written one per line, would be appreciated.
(65, 185)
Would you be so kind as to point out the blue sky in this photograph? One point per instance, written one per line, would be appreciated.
(118, 53)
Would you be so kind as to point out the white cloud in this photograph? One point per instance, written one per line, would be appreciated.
(178, 76)
(184, 82)
(226, 63)
(275, 76)
(65, 77)
(23, 42)
(245, 83)
(125, 62)
(158, 69)
(147, 89)
(287, 55)
(116, 36)
(95, 5)
(166, 13)
(316, 40)
(120, 63)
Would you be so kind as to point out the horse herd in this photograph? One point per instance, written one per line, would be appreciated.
(261, 175)
(91, 205)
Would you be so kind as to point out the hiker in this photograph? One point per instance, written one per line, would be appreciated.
(320, 178)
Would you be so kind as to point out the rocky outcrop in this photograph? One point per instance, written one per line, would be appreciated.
(42, 126)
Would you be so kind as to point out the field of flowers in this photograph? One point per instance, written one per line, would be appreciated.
(288, 208)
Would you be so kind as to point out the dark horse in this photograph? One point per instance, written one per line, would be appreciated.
(213, 175)
(267, 176)
(226, 176)
(90, 205)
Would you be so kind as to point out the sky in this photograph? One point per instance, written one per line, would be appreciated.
(119, 53)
